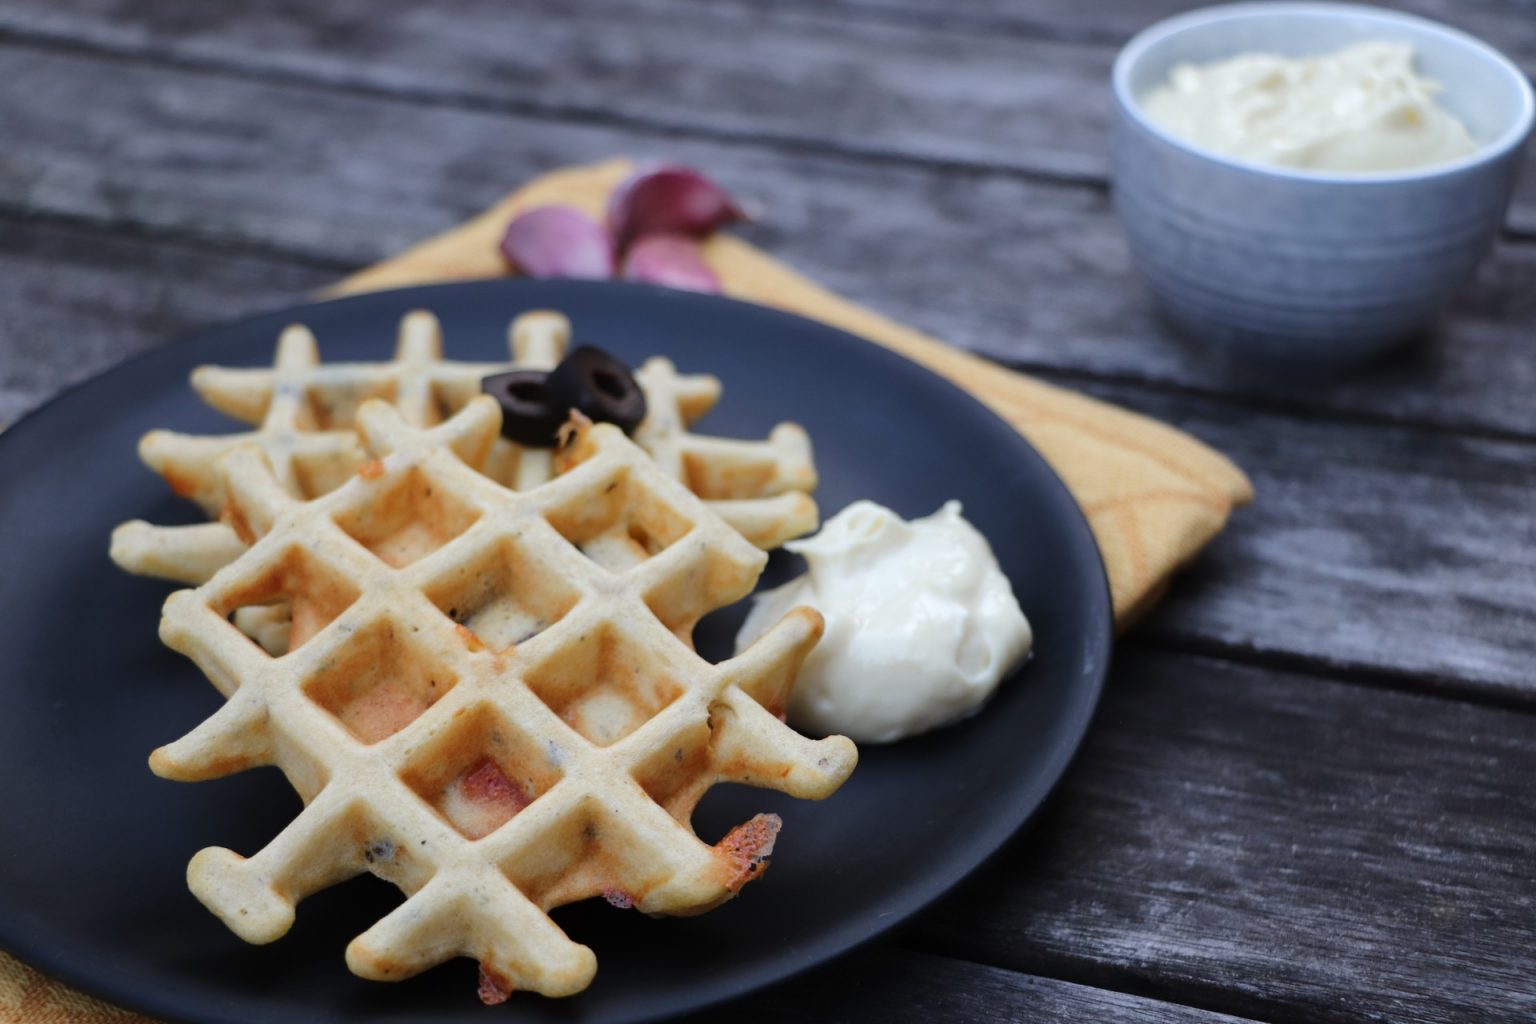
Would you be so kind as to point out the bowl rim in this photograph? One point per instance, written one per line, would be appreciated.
(1135, 50)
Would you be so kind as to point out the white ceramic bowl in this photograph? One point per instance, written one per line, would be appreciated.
(1305, 266)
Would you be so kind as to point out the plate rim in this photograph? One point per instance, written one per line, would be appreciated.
(838, 942)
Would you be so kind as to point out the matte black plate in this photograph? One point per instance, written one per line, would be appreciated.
(91, 873)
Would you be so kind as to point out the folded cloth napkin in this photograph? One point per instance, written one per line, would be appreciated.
(27, 997)
(1152, 494)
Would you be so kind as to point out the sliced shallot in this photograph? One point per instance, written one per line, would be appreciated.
(668, 199)
(670, 260)
(558, 241)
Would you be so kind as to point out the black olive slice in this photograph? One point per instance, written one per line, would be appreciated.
(600, 386)
(530, 415)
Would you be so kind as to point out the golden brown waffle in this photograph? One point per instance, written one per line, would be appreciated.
(491, 700)
(304, 412)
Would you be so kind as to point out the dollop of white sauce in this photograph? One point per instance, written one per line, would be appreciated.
(1361, 109)
(921, 624)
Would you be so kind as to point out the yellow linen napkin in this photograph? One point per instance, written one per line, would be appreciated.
(27, 997)
(1153, 495)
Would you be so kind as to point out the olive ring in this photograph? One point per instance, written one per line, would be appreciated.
(535, 404)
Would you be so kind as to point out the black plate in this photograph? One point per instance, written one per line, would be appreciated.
(91, 874)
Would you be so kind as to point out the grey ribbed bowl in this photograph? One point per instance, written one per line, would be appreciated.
(1305, 267)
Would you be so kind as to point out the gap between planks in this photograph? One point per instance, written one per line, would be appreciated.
(1009, 994)
(457, 99)
(192, 241)
(533, 109)
(1097, 978)
(1080, 24)
(1438, 686)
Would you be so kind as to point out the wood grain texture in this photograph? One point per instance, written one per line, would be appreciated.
(1374, 550)
(879, 90)
(1036, 275)
(903, 987)
(74, 302)
(1504, 23)
(1278, 846)
(821, 77)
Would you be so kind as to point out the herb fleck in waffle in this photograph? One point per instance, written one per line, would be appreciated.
(490, 697)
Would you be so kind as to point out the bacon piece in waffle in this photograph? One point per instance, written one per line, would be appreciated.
(492, 699)
(303, 412)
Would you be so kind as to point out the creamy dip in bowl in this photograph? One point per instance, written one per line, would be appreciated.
(1363, 108)
(1271, 261)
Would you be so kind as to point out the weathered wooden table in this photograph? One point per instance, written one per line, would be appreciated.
(1309, 794)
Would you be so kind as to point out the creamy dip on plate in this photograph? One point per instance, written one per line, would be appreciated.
(921, 623)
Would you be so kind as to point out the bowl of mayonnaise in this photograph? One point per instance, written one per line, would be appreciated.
(1309, 184)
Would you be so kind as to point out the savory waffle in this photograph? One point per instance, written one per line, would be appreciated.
(490, 697)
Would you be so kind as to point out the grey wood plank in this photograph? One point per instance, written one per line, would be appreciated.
(1277, 846)
(900, 89)
(1382, 550)
(1505, 23)
(870, 89)
(1033, 274)
(903, 987)
(74, 302)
